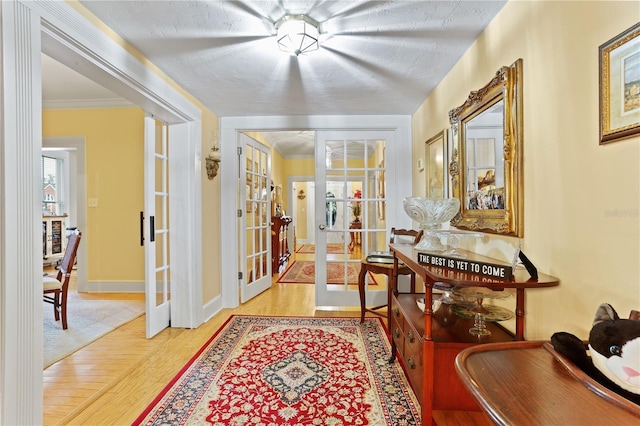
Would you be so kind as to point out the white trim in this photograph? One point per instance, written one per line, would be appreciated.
(114, 286)
(71, 39)
(87, 104)
(94, 54)
(185, 227)
(21, 217)
(212, 308)
(398, 156)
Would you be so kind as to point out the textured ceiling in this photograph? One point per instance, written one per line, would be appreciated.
(375, 57)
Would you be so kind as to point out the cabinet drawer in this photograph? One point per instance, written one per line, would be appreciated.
(397, 315)
(397, 335)
(412, 359)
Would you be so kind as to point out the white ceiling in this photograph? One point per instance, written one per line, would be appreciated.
(375, 57)
(64, 88)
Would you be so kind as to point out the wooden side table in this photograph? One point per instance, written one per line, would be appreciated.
(355, 238)
(520, 383)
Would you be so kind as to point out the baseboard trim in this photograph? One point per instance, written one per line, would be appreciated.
(212, 308)
(112, 287)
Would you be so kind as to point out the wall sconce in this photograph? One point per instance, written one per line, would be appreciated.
(301, 195)
(212, 161)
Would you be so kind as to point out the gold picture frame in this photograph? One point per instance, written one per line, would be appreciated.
(619, 60)
(381, 191)
(498, 206)
(436, 171)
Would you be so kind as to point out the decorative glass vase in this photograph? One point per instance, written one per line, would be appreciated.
(431, 213)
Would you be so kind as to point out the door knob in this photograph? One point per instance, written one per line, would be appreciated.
(322, 227)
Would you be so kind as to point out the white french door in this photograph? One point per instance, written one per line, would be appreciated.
(255, 221)
(155, 226)
(350, 214)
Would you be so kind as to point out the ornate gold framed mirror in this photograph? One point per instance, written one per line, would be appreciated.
(487, 160)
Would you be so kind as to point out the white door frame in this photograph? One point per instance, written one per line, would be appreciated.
(399, 173)
(30, 28)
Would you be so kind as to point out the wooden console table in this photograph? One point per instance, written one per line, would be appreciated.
(520, 383)
(279, 246)
(429, 342)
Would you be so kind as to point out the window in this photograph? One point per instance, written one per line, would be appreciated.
(52, 186)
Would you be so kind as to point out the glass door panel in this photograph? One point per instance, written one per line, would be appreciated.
(350, 176)
(157, 262)
(256, 220)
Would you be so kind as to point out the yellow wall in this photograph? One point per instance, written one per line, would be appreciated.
(211, 246)
(572, 184)
(301, 213)
(279, 176)
(115, 165)
(301, 167)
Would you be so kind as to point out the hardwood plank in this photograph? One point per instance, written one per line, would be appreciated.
(112, 380)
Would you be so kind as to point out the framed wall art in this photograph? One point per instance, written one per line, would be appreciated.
(436, 172)
(487, 157)
(381, 189)
(620, 86)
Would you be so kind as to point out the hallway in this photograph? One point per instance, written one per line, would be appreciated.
(112, 380)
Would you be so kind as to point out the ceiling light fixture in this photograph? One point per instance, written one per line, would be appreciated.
(297, 34)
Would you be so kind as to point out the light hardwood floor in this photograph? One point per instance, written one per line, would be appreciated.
(112, 380)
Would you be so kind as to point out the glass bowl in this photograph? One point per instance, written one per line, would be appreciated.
(431, 213)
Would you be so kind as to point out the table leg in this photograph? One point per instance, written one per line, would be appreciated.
(361, 278)
(520, 314)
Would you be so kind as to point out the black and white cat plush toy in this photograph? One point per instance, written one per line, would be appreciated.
(614, 352)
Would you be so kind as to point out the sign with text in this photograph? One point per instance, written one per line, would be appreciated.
(501, 272)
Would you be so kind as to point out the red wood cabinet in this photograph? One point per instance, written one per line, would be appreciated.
(428, 342)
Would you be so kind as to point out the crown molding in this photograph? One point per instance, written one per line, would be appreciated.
(87, 104)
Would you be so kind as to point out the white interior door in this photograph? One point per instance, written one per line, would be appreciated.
(155, 226)
(350, 214)
(255, 222)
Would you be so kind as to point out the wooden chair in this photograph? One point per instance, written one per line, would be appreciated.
(386, 269)
(55, 289)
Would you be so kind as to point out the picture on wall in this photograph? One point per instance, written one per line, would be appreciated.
(381, 188)
(436, 171)
(620, 86)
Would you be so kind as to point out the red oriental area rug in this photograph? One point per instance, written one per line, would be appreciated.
(304, 272)
(289, 371)
(331, 249)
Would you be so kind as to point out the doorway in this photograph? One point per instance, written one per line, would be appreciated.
(57, 30)
(350, 182)
(398, 178)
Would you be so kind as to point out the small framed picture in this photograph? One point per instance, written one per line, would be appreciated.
(381, 191)
(436, 172)
(620, 86)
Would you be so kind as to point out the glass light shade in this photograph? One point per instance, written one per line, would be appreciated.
(297, 34)
(215, 154)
